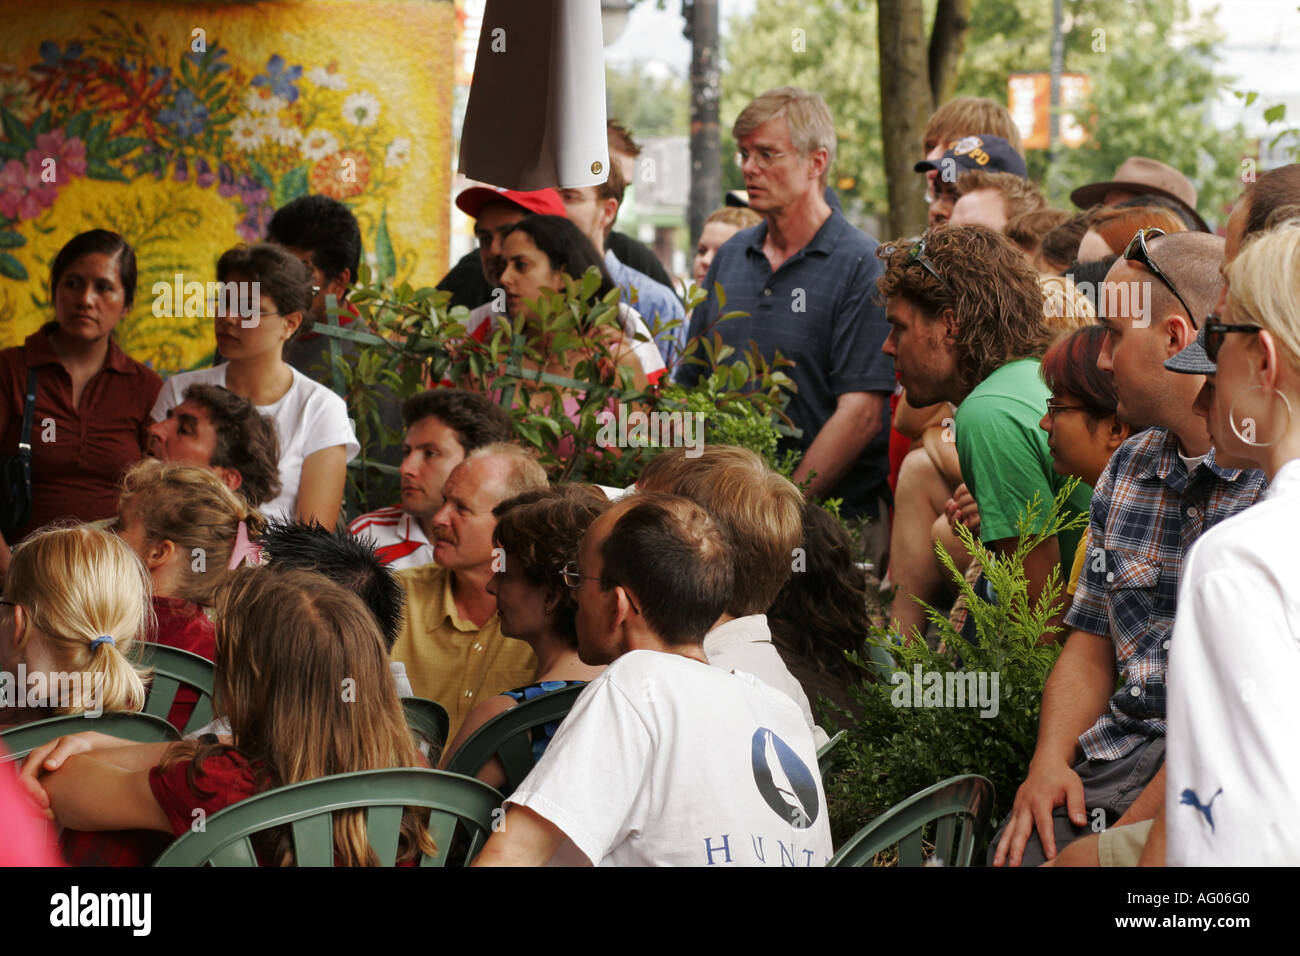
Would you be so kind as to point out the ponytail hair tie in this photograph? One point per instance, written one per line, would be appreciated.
(244, 548)
(102, 639)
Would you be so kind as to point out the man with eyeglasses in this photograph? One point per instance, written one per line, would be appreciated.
(805, 280)
(1100, 753)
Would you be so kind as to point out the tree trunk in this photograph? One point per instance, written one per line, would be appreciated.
(904, 106)
(706, 168)
(947, 42)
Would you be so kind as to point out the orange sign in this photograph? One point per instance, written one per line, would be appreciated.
(1029, 100)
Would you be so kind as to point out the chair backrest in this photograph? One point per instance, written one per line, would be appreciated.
(827, 756)
(508, 736)
(428, 718)
(173, 667)
(959, 807)
(141, 728)
(456, 803)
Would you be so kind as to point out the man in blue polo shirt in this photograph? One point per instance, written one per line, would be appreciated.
(807, 278)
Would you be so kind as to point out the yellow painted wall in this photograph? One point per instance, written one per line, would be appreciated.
(113, 118)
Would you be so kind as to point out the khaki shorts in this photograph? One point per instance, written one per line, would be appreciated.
(1122, 846)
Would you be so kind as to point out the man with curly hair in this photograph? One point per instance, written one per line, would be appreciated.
(966, 316)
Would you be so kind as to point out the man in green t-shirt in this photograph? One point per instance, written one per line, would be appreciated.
(966, 315)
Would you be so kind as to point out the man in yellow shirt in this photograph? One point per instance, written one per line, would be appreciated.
(451, 640)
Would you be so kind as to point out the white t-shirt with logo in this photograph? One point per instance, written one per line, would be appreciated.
(309, 417)
(1232, 773)
(665, 761)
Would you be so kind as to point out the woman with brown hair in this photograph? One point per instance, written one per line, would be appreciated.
(303, 678)
(316, 436)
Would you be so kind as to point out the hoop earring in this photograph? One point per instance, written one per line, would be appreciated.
(1232, 419)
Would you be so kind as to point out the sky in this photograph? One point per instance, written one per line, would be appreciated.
(1261, 48)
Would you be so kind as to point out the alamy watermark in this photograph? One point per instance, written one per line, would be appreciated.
(61, 690)
(638, 429)
(181, 299)
(951, 689)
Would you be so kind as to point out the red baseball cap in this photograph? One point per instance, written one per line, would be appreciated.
(545, 201)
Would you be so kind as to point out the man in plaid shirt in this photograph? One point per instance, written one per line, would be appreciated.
(1100, 750)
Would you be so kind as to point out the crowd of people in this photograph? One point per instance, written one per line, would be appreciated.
(943, 379)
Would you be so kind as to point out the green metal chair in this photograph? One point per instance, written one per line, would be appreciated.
(429, 719)
(173, 667)
(827, 758)
(141, 728)
(965, 801)
(508, 736)
(460, 806)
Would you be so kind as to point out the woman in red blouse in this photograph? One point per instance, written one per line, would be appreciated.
(92, 399)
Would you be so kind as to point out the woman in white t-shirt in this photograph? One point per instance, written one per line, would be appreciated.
(261, 309)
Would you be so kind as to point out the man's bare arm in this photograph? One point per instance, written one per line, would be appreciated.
(525, 839)
(857, 420)
(1149, 802)
(1076, 694)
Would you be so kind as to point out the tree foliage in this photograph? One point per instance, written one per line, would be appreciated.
(647, 104)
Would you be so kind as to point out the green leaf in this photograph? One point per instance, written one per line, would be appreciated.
(260, 174)
(291, 185)
(11, 268)
(387, 259)
(96, 139)
(121, 146)
(1275, 113)
(12, 240)
(78, 125)
(98, 169)
(15, 131)
(10, 151)
(42, 124)
(1251, 97)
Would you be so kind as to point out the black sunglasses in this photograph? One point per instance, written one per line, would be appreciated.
(914, 254)
(1137, 251)
(1216, 332)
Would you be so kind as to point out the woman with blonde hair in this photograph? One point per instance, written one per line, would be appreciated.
(191, 532)
(302, 676)
(1231, 772)
(75, 603)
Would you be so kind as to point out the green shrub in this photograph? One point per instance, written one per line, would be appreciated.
(897, 750)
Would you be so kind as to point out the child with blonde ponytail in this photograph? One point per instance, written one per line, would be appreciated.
(190, 531)
(75, 603)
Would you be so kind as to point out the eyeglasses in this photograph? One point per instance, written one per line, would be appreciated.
(915, 254)
(1216, 331)
(763, 157)
(1054, 407)
(573, 578)
(1137, 251)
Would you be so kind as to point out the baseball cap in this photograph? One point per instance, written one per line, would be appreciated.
(1192, 360)
(992, 153)
(545, 201)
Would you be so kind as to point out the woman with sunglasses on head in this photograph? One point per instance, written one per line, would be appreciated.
(1232, 776)
(316, 436)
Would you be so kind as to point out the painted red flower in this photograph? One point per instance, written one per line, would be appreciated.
(342, 175)
(22, 194)
(69, 155)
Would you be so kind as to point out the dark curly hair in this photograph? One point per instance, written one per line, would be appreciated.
(540, 532)
(247, 441)
(821, 611)
(991, 288)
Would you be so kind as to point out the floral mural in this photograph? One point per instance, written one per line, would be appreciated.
(184, 126)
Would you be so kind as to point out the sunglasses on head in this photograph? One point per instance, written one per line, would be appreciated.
(916, 253)
(1216, 332)
(1137, 251)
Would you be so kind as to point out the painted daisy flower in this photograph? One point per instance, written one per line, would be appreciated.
(263, 100)
(246, 133)
(274, 129)
(328, 77)
(361, 109)
(318, 144)
(399, 152)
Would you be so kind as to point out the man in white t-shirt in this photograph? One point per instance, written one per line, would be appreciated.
(664, 760)
(761, 516)
(443, 425)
